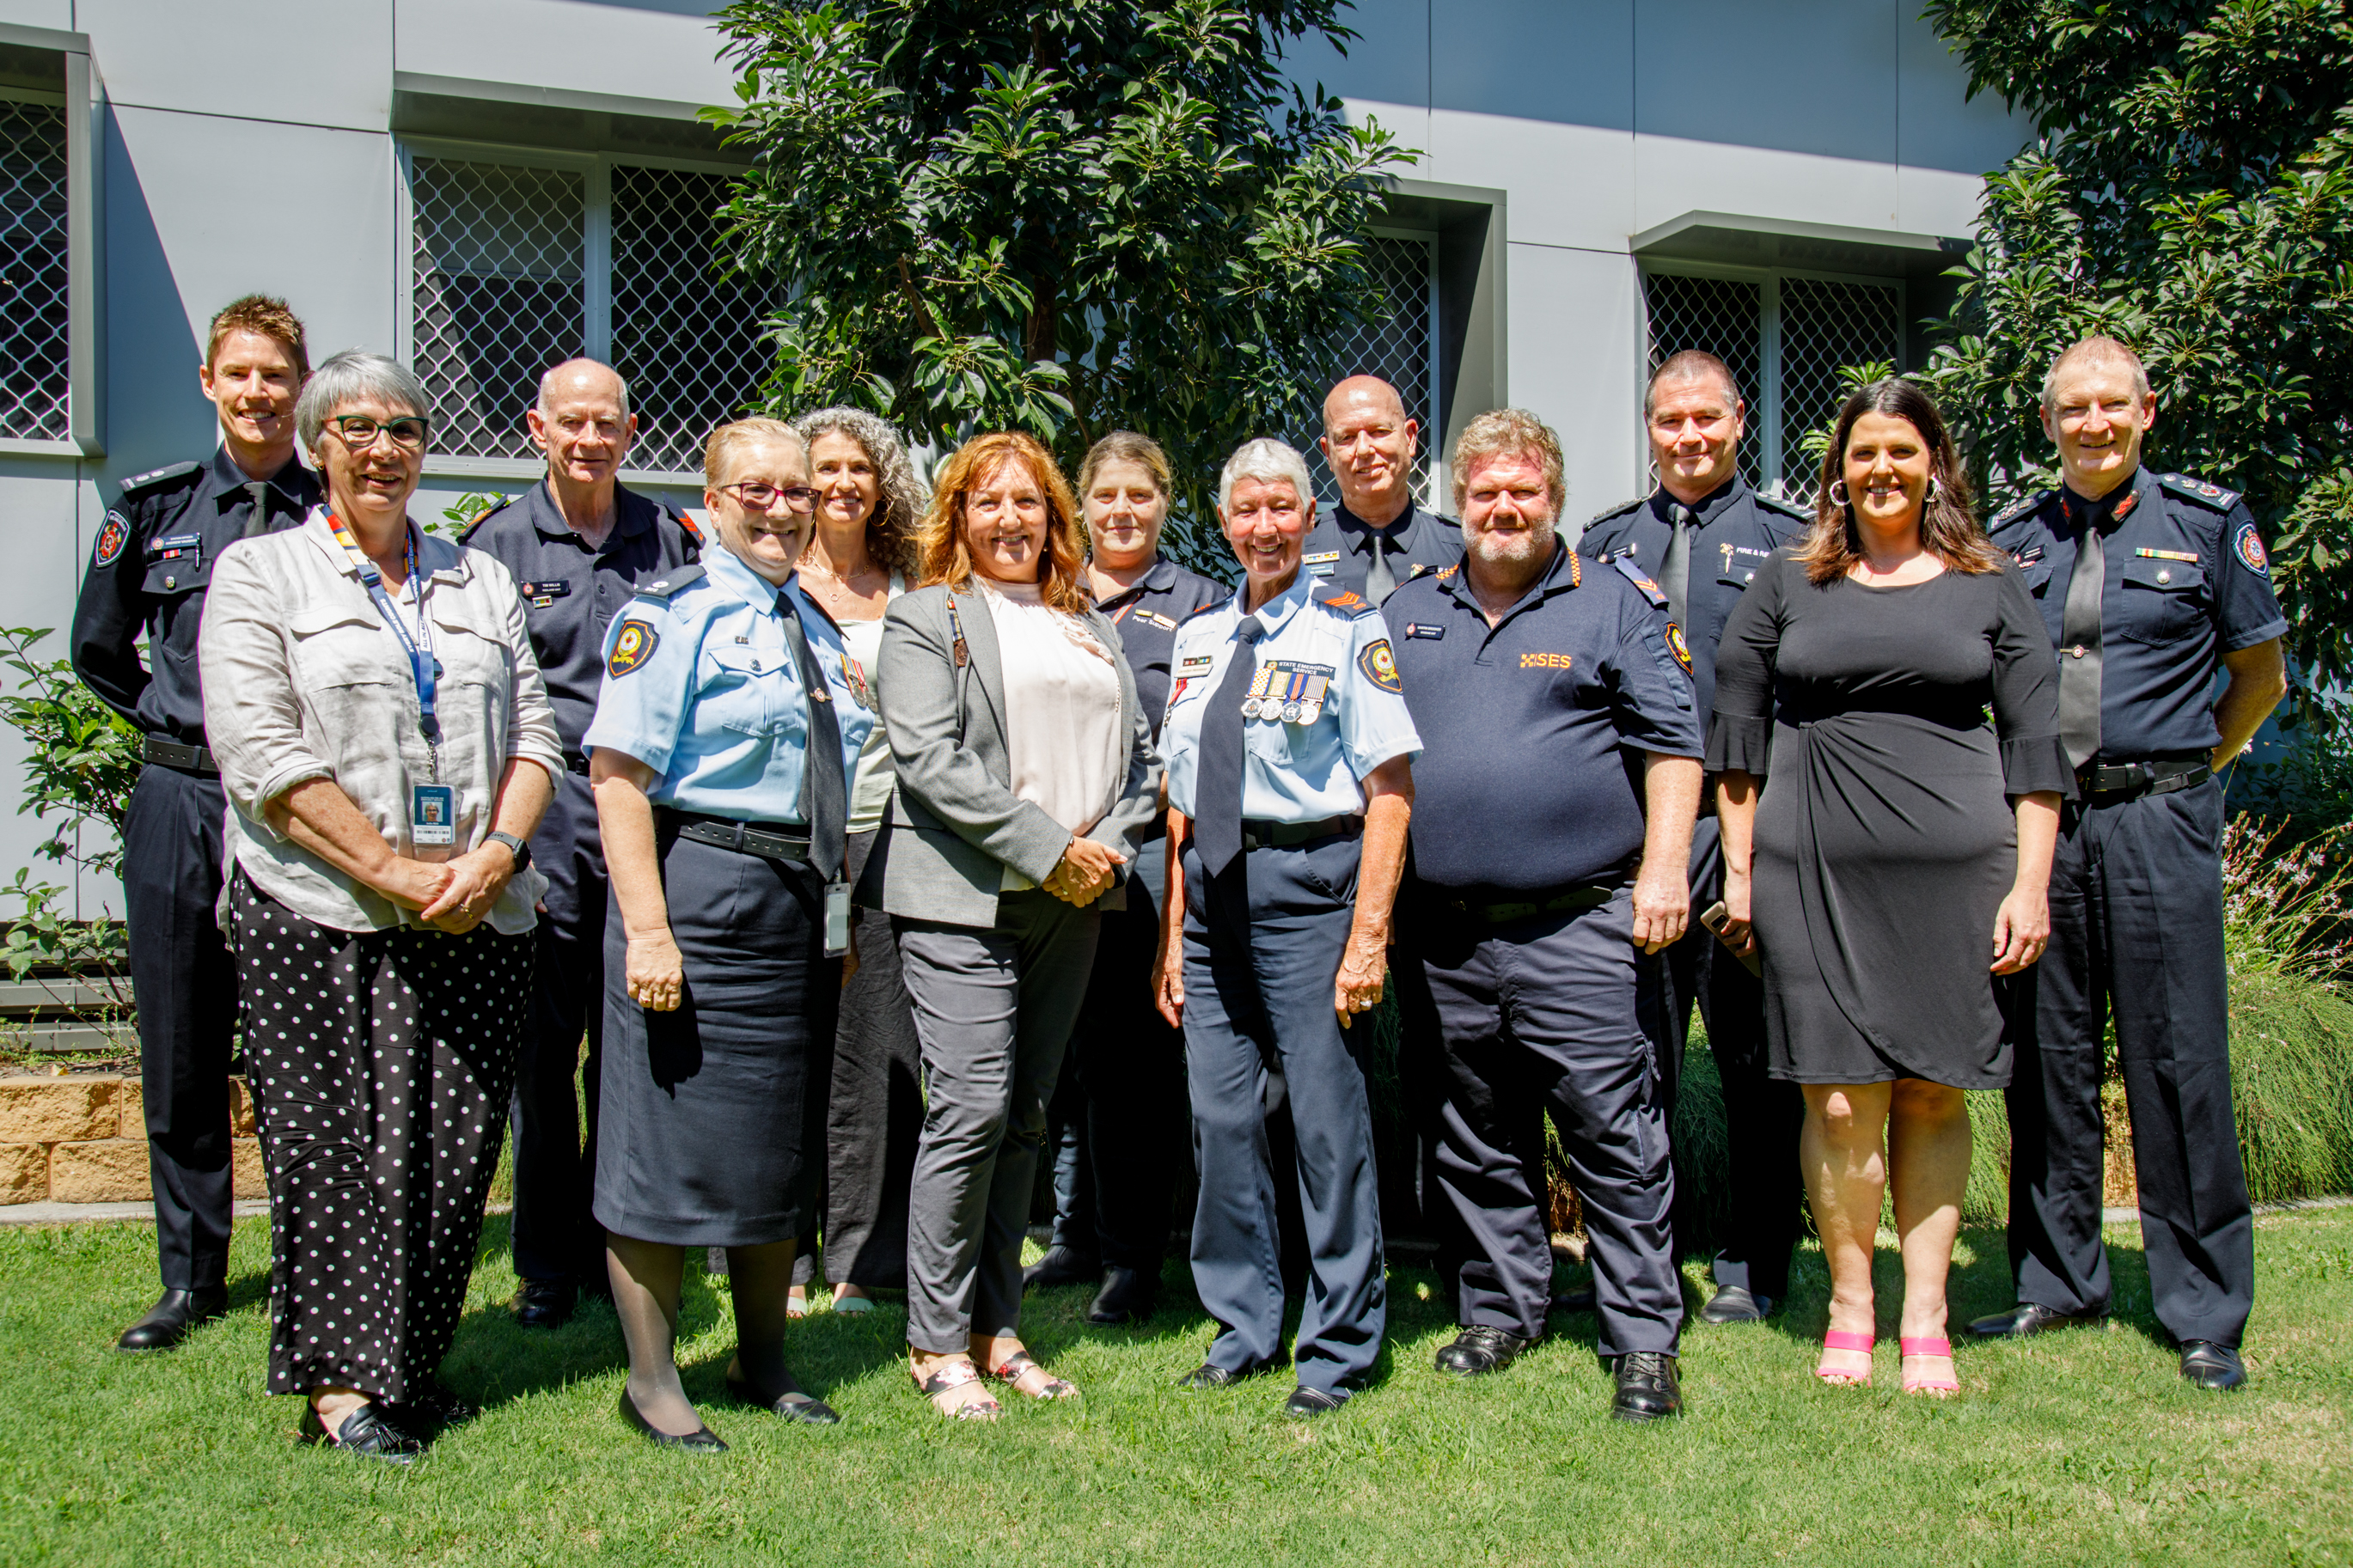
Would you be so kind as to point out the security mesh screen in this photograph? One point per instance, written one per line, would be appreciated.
(1721, 317)
(1826, 327)
(35, 374)
(1399, 345)
(499, 295)
(685, 338)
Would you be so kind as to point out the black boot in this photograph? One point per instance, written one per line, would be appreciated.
(1127, 1297)
(1062, 1266)
(169, 1320)
(546, 1303)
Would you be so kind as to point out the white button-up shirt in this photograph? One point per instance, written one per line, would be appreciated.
(303, 679)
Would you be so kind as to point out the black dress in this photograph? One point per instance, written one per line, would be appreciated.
(1884, 841)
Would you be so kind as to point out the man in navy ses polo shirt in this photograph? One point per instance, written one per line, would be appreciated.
(1553, 804)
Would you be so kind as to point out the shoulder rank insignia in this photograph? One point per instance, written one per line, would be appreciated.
(2249, 548)
(631, 649)
(1378, 661)
(1633, 573)
(669, 584)
(1619, 511)
(1678, 647)
(112, 535)
(2018, 509)
(156, 478)
(2200, 491)
(694, 533)
(1351, 604)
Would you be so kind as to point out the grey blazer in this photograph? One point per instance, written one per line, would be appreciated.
(954, 822)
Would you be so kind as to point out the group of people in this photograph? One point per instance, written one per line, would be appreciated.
(859, 826)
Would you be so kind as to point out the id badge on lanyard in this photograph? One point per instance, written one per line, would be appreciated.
(432, 807)
(836, 919)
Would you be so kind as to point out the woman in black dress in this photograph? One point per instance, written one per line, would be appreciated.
(1903, 838)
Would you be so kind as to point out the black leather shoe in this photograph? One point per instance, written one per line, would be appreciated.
(2209, 1366)
(544, 1303)
(2028, 1317)
(1580, 1300)
(1482, 1348)
(1208, 1376)
(701, 1441)
(1736, 1304)
(1647, 1389)
(792, 1404)
(1062, 1266)
(432, 1405)
(364, 1432)
(1305, 1403)
(1127, 1297)
(168, 1321)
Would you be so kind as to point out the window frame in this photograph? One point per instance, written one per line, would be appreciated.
(83, 100)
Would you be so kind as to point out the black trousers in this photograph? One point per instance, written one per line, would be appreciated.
(185, 984)
(1130, 1064)
(2136, 935)
(555, 1099)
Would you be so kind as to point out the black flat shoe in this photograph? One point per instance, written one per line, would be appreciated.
(1482, 1348)
(1305, 1403)
(792, 1404)
(1736, 1304)
(1062, 1266)
(1127, 1297)
(1647, 1389)
(433, 1405)
(544, 1303)
(2209, 1366)
(168, 1321)
(2028, 1317)
(1205, 1376)
(364, 1432)
(701, 1441)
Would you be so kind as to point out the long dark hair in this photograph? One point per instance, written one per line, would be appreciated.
(1949, 524)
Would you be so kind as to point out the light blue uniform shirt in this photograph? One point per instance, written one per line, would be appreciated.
(1322, 644)
(700, 686)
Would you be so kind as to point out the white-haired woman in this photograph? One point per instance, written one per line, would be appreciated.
(1289, 783)
(386, 746)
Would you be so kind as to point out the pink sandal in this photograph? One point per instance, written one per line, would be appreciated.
(1928, 1347)
(1837, 1377)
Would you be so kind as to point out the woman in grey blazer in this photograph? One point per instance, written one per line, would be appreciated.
(1026, 774)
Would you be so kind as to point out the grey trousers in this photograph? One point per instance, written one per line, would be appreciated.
(994, 1011)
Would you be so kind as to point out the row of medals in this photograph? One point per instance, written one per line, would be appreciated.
(1301, 700)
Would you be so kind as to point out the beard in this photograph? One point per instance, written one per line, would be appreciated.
(1515, 550)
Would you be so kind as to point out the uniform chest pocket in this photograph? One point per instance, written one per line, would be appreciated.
(2038, 578)
(176, 585)
(752, 691)
(338, 646)
(2161, 601)
(470, 647)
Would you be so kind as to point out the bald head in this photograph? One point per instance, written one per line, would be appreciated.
(581, 422)
(1370, 444)
(576, 378)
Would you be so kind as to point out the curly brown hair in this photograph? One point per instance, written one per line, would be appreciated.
(1949, 525)
(941, 538)
(890, 530)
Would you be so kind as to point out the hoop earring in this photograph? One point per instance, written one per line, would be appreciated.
(1839, 494)
(1934, 491)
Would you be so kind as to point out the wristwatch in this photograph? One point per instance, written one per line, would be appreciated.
(516, 847)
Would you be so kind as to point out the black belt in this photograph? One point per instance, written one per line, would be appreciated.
(173, 754)
(1262, 835)
(2129, 781)
(1584, 896)
(771, 841)
(573, 762)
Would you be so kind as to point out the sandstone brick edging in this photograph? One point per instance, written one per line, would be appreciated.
(83, 1140)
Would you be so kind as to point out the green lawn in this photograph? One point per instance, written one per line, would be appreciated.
(2080, 1448)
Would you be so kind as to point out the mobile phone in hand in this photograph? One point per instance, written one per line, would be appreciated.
(1715, 917)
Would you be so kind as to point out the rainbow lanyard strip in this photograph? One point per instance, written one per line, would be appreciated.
(423, 667)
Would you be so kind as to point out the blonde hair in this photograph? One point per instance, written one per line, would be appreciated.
(729, 439)
(271, 318)
(1508, 432)
(1127, 446)
(945, 556)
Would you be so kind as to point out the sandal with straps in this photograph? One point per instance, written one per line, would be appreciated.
(1020, 1364)
(1838, 1377)
(957, 1374)
(1929, 1347)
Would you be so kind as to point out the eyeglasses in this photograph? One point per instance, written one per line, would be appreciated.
(761, 497)
(359, 432)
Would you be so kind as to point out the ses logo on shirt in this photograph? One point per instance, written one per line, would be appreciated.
(1544, 661)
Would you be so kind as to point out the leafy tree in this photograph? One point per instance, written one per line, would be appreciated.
(1067, 218)
(2191, 194)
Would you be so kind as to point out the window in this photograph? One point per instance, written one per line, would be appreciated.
(520, 260)
(1401, 347)
(1786, 335)
(36, 326)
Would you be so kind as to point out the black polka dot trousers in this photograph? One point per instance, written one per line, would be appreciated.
(381, 1064)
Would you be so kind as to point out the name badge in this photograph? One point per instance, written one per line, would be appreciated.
(1424, 630)
(1322, 563)
(543, 594)
(433, 814)
(836, 919)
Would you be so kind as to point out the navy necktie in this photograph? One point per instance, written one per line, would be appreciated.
(825, 785)
(2079, 655)
(1218, 783)
(1674, 567)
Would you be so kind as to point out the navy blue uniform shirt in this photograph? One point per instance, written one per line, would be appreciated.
(148, 572)
(571, 592)
(1147, 617)
(2188, 580)
(1737, 529)
(1339, 549)
(1525, 781)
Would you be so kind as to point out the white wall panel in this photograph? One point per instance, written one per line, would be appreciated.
(1672, 176)
(311, 62)
(1936, 201)
(1576, 356)
(630, 51)
(1569, 184)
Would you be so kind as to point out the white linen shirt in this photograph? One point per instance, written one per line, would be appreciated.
(303, 681)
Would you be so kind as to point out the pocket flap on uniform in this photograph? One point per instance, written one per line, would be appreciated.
(184, 576)
(311, 620)
(737, 659)
(2166, 576)
(2038, 578)
(454, 614)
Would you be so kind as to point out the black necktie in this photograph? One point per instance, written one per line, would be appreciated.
(825, 786)
(1218, 783)
(1379, 581)
(2079, 655)
(1674, 567)
(257, 522)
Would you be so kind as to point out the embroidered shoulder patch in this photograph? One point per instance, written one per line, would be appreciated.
(2248, 547)
(1678, 647)
(111, 537)
(1378, 662)
(632, 647)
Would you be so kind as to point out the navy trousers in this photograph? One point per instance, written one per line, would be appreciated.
(2136, 935)
(186, 985)
(1262, 952)
(555, 1237)
(1555, 1012)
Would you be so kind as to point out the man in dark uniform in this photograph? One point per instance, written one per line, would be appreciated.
(1701, 536)
(1552, 809)
(1376, 538)
(2147, 583)
(147, 577)
(580, 546)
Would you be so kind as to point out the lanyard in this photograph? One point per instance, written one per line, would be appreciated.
(423, 667)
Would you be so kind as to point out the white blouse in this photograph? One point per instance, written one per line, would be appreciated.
(1062, 735)
(870, 791)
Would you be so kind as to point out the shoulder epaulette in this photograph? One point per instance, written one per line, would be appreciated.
(1618, 511)
(1787, 509)
(1217, 605)
(487, 512)
(2019, 508)
(668, 585)
(159, 479)
(1636, 575)
(1346, 602)
(694, 532)
(2198, 490)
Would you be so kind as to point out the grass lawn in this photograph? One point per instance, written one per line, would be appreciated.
(2083, 1447)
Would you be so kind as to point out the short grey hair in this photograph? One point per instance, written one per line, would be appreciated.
(547, 378)
(350, 376)
(1266, 460)
(2094, 350)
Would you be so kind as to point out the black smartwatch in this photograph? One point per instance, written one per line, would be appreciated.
(518, 847)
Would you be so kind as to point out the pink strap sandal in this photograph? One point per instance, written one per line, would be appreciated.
(1838, 1377)
(1927, 1347)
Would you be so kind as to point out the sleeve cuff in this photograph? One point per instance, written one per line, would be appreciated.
(2033, 763)
(2270, 631)
(1742, 745)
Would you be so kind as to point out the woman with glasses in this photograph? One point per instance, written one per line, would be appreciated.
(386, 744)
(721, 755)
